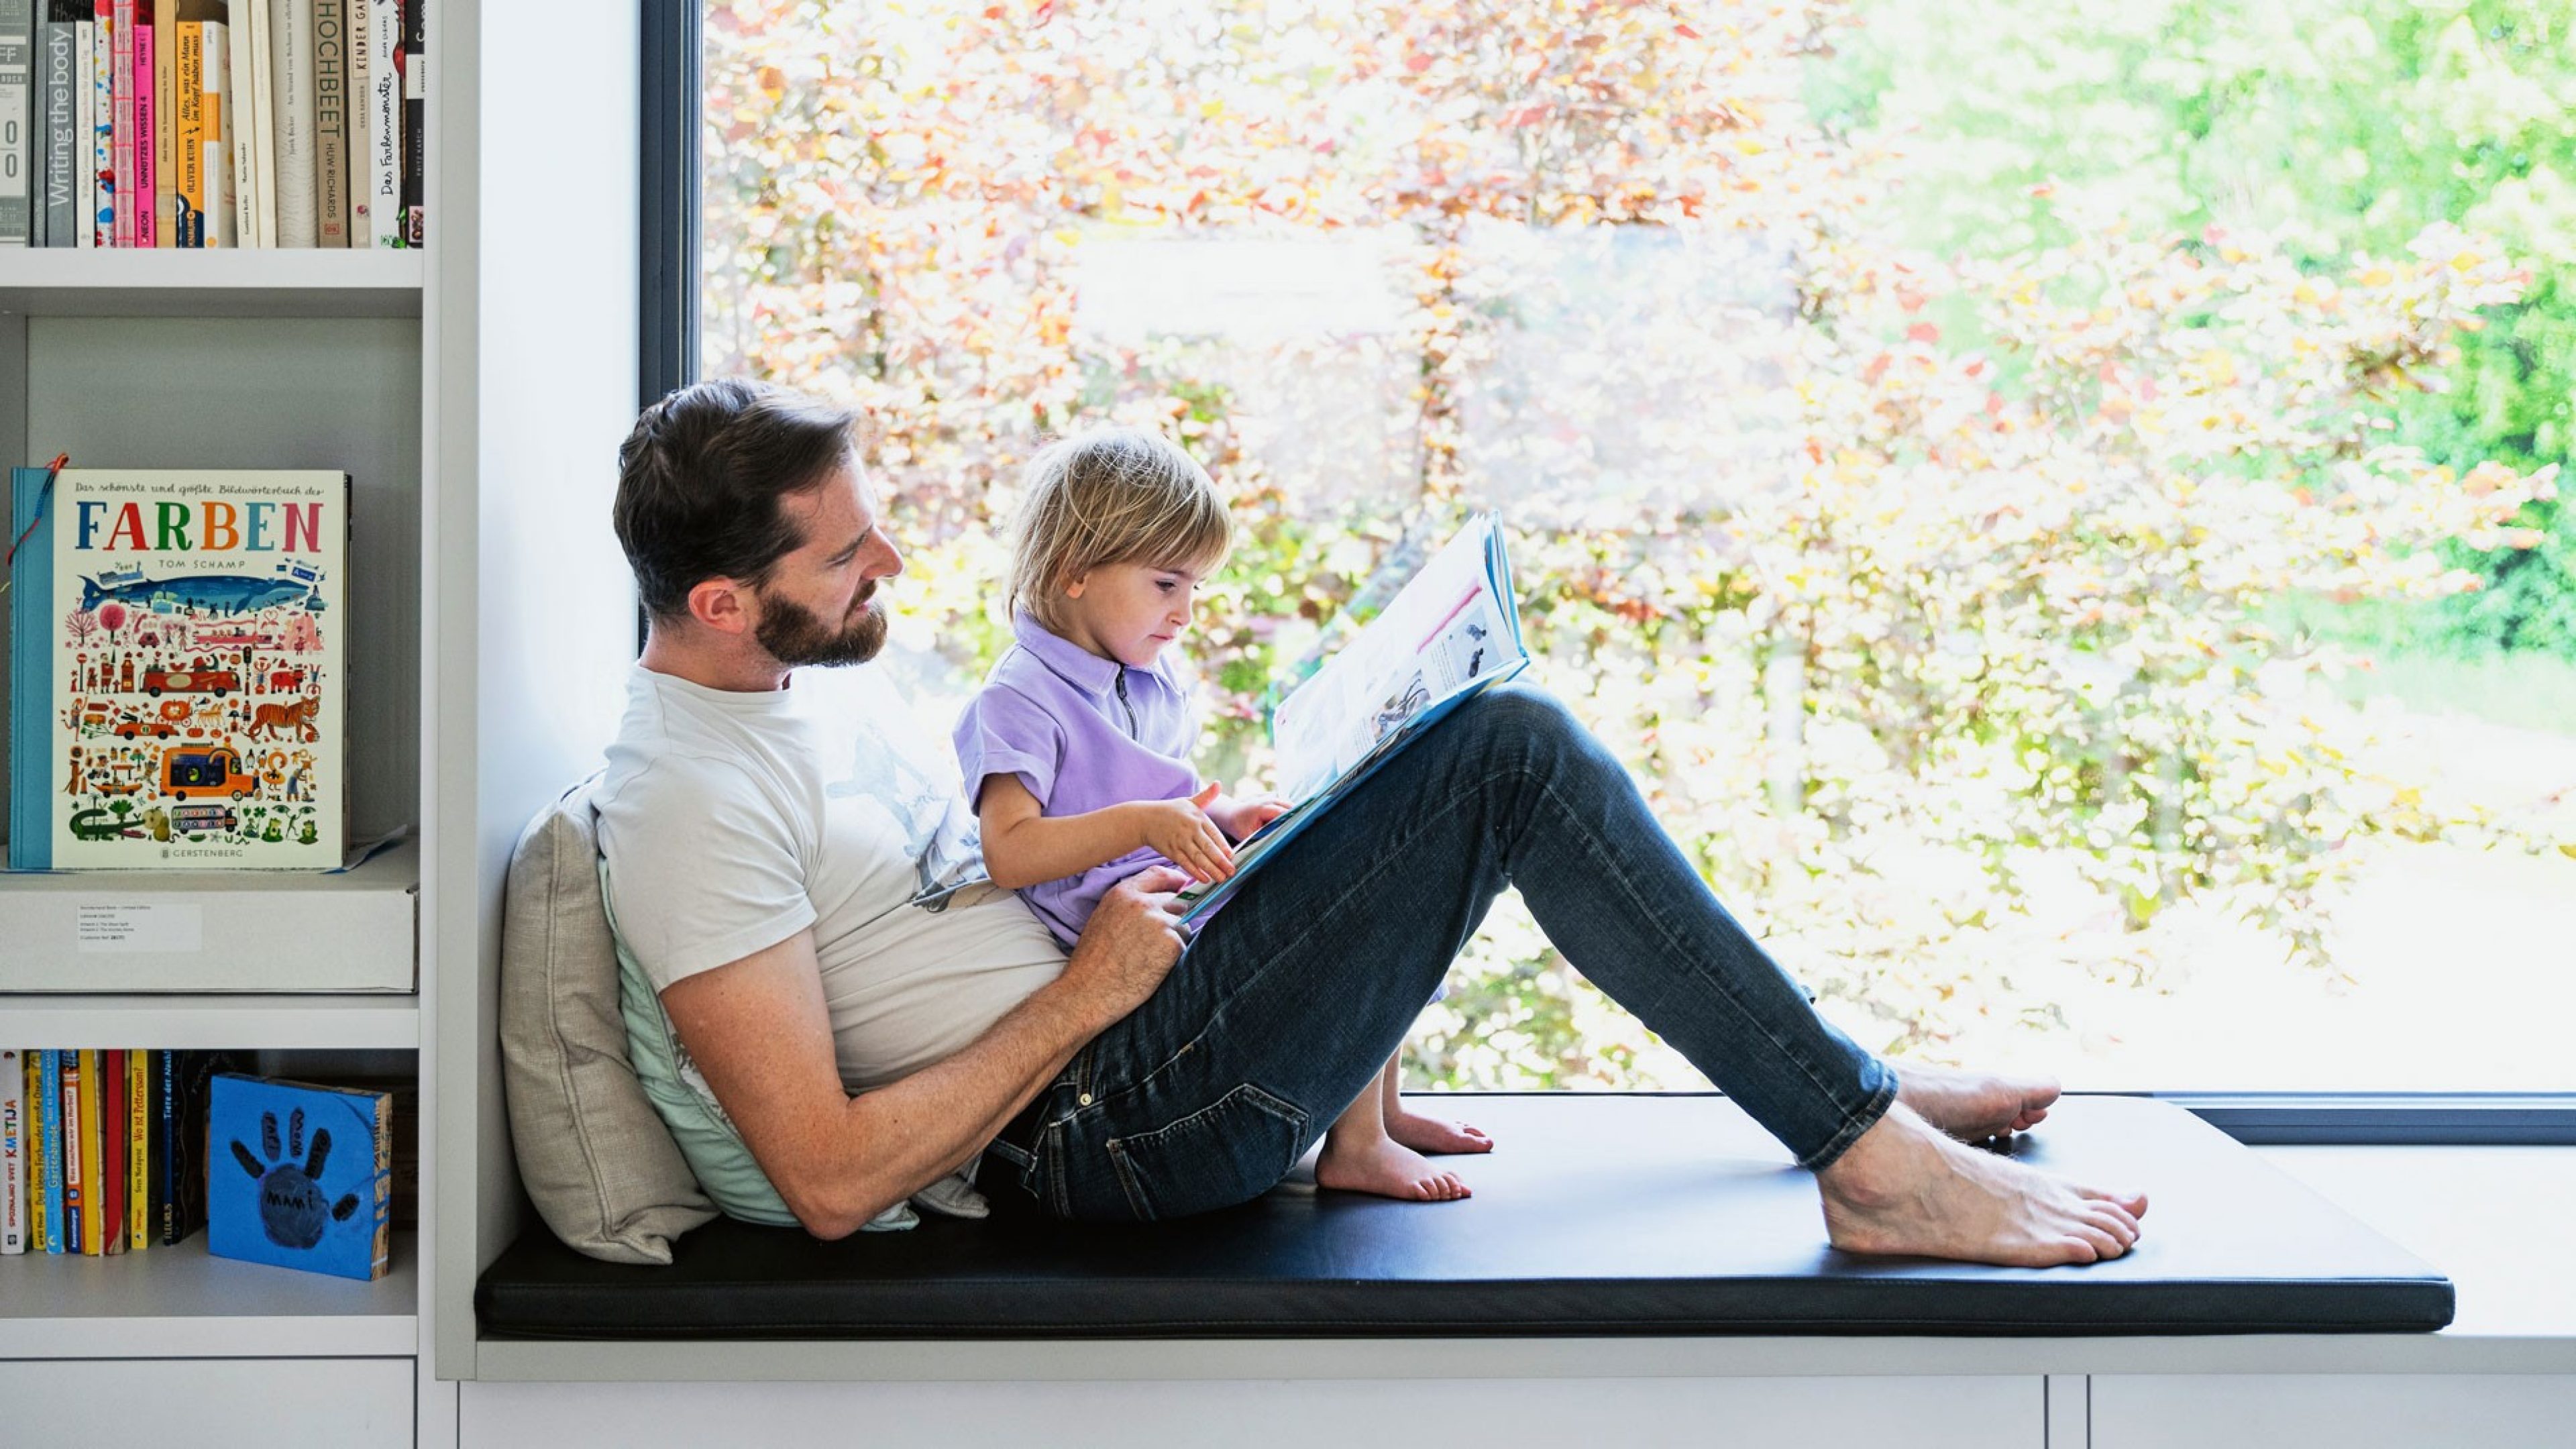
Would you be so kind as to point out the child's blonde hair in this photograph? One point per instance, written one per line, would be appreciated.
(1111, 496)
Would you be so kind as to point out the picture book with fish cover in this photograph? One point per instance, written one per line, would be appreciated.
(177, 648)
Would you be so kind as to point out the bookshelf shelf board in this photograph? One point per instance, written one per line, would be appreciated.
(212, 1022)
(67, 282)
(183, 1302)
(200, 933)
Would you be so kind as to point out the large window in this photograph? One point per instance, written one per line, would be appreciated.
(2053, 501)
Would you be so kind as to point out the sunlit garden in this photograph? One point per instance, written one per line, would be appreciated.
(2057, 503)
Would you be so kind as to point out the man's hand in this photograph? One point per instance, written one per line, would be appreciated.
(1180, 831)
(1129, 946)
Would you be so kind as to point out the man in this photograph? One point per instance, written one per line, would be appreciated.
(868, 1026)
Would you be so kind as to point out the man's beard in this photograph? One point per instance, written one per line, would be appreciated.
(794, 635)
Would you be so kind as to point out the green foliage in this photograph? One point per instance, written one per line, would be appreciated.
(1893, 581)
(2338, 127)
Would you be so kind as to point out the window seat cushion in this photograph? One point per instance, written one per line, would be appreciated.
(1595, 1214)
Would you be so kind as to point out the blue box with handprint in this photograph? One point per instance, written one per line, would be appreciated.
(300, 1175)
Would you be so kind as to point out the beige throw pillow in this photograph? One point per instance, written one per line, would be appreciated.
(596, 1159)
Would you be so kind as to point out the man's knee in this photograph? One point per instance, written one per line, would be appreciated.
(1525, 715)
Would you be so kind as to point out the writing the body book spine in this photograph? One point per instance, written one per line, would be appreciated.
(177, 648)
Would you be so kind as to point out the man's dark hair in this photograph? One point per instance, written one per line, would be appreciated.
(700, 479)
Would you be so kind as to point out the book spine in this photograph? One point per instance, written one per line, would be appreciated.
(18, 152)
(38, 1214)
(13, 1153)
(330, 123)
(79, 1139)
(262, 64)
(221, 220)
(56, 77)
(353, 27)
(383, 104)
(165, 1144)
(188, 135)
(102, 126)
(165, 114)
(39, 125)
(138, 1150)
(242, 73)
(290, 50)
(95, 1139)
(147, 178)
(156, 1146)
(32, 801)
(50, 1151)
(381, 1261)
(118, 17)
(84, 129)
(415, 123)
(109, 1087)
(190, 1149)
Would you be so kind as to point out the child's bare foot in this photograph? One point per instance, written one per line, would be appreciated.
(1974, 1105)
(1381, 1166)
(1435, 1134)
(1904, 1187)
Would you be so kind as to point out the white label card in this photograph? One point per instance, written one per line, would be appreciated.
(170, 929)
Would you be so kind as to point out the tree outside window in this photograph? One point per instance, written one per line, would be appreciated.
(2004, 629)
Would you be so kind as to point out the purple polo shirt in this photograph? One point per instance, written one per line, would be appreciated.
(1082, 733)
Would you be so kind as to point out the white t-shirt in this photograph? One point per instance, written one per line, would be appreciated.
(732, 821)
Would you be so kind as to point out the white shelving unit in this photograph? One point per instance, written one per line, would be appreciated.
(346, 931)
(248, 359)
(307, 1022)
(52, 282)
(185, 1303)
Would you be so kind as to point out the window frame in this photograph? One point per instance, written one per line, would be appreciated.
(670, 237)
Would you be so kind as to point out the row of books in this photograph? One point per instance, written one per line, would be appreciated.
(213, 123)
(112, 1152)
(101, 1151)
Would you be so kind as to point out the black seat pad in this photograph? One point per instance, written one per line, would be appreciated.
(1595, 1214)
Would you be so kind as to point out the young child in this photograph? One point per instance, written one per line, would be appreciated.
(1077, 750)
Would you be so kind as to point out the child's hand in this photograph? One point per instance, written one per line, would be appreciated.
(1184, 835)
(1242, 818)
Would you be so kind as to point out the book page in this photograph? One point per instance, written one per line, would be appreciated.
(1454, 629)
(1440, 634)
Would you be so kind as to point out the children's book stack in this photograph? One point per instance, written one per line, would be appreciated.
(102, 1152)
(213, 123)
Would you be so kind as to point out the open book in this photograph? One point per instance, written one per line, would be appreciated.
(1453, 632)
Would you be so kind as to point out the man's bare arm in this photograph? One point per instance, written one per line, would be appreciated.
(760, 1032)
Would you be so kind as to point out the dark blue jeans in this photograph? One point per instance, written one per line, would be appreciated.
(1290, 1001)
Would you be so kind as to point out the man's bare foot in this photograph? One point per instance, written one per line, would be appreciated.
(1905, 1187)
(1386, 1168)
(1974, 1105)
(1435, 1134)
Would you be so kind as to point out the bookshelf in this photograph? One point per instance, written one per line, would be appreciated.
(476, 391)
(249, 359)
(255, 359)
(49, 282)
(186, 1303)
(252, 1022)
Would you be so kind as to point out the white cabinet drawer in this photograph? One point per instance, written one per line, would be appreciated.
(1660, 1413)
(2349, 1411)
(209, 1403)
